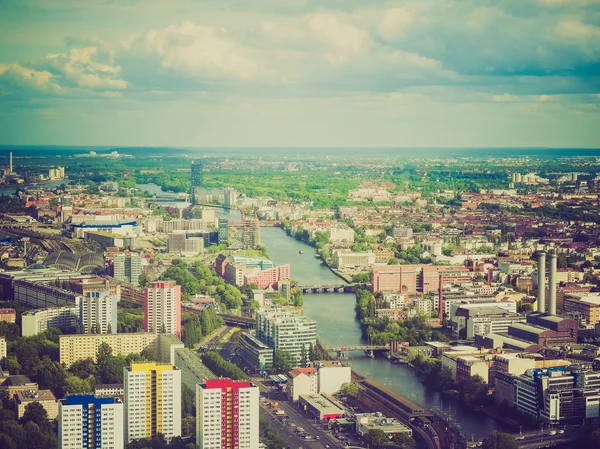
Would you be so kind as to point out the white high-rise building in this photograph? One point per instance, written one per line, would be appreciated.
(89, 422)
(162, 311)
(286, 330)
(98, 313)
(152, 395)
(227, 414)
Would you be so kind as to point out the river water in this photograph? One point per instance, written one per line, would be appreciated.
(337, 326)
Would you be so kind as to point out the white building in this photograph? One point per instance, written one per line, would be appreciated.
(227, 411)
(2, 348)
(152, 395)
(395, 300)
(286, 330)
(324, 378)
(98, 313)
(37, 321)
(86, 421)
(162, 311)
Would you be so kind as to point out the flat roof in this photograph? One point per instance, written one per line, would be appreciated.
(321, 403)
(528, 328)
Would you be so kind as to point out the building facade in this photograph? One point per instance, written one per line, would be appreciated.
(89, 422)
(286, 330)
(227, 414)
(98, 313)
(37, 321)
(152, 395)
(162, 309)
(127, 267)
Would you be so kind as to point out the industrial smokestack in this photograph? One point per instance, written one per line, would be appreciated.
(489, 276)
(552, 284)
(541, 282)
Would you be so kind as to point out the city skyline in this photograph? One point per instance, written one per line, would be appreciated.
(439, 73)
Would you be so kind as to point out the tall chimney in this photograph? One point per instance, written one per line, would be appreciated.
(552, 284)
(10, 163)
(541, 307)
(489, 276)
(441, 301)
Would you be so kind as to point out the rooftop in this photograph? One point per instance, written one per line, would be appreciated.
(34, 396)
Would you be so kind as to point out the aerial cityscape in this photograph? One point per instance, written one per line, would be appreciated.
(294, 225)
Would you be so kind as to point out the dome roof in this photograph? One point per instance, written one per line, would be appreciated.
(37, 266)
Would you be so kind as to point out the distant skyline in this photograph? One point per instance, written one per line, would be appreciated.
(300, 73)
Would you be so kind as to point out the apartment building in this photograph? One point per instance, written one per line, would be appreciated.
(89, 422)
(37, 321)
(162, 309)
(84, 346)
(152, 396)
(227, 414)
(98, 313)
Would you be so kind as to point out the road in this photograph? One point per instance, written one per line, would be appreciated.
(287, 432)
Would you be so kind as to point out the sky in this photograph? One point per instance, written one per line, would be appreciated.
(293, 73)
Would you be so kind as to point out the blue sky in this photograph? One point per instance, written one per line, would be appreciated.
(300, 72)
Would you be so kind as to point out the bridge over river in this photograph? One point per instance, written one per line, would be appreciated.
(329, 288)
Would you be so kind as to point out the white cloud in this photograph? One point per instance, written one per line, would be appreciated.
(395, 21)
(575, 29)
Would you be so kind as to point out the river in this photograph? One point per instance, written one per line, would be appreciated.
(337, 326)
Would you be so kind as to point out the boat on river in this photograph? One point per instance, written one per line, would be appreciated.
(300, 252)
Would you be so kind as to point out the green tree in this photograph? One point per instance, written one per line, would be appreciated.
(376, 437)
(501, 440)
(404, 441)
(349, 389)
(303, 357)
(76, 385)
(283, 361)
(36, 413)
(298, 298)
(588, 437)
(6, 442)
(144, 280)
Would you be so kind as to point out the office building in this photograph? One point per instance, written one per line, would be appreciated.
(162, 309)
(286, 330)
(255, 353)
(230, 197)
(152, 396)
(416, 278)
(178, 242)
(227, 414)
(89, 422)
(127, 267)
(2, 348)
(39, 295)
(346, 259)
(83, 346)
(223, 231)
(558, 395)
(268, 278)
(98, 313)
(197, 167)
(36, 321)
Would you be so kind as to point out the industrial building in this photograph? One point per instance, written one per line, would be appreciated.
(127, 267)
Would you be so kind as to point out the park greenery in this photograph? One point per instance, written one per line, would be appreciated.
(268, 437)
(382, 330)
(502, 440)
(32, 431)
(197, 278)
(130, 317)
(199, 325)
(222, 367)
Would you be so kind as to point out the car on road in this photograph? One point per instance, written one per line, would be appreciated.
(561, 431)
(552, 432)
(307, 437)
(317, 437)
